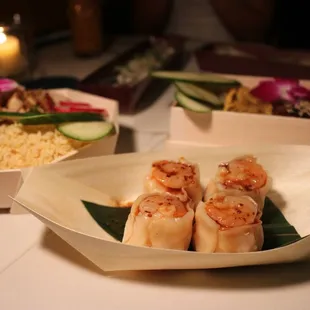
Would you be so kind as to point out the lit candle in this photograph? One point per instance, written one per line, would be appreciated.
(10, 54)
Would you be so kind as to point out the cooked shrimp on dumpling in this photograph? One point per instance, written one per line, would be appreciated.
(180, 178)
(227, 224)
(241, 176)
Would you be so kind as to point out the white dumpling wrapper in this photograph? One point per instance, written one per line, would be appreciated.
(209, 238)
(158, 232)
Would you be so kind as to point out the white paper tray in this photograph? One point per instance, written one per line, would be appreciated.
(231, 128)
(53, 194)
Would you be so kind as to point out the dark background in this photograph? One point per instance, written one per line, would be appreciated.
(287, 26)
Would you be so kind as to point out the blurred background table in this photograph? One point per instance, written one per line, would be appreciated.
(144, 131)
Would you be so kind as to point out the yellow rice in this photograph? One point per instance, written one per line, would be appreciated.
(27, 146)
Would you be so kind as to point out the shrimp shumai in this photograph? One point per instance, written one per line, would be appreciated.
(180, 178)
(241, 176)
(227, 224)
(159, 220)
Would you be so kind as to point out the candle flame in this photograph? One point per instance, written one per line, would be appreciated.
(2, 37)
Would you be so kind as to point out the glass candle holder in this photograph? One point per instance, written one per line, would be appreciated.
(13, 51)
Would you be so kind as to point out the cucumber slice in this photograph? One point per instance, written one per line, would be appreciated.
(15, 116)
(211, 82)
(194, 77)
(191, 104)
(90, 131)
(198, 93)
(58, 118)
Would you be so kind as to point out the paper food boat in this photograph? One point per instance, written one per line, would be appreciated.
(53, 194)
(232, 128)
(11, 180)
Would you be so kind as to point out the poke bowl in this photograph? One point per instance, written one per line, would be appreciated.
(41, 127)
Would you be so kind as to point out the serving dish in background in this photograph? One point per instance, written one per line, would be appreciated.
(102, 81)
(223, 109)
(12, 179)
(254, 60)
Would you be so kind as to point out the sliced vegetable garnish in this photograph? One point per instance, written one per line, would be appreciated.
(86, 131)
(79, 109)
(209, 81)
(74, 104)
(58, 118)
(191, 104)
(68, 106)
(198, 93)
(184, 76)
(15, 116)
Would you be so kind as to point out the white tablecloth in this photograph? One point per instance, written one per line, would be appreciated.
(52, 275)
(18, 234)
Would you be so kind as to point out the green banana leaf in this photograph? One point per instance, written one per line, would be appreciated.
(278, 231)
(111, 219)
